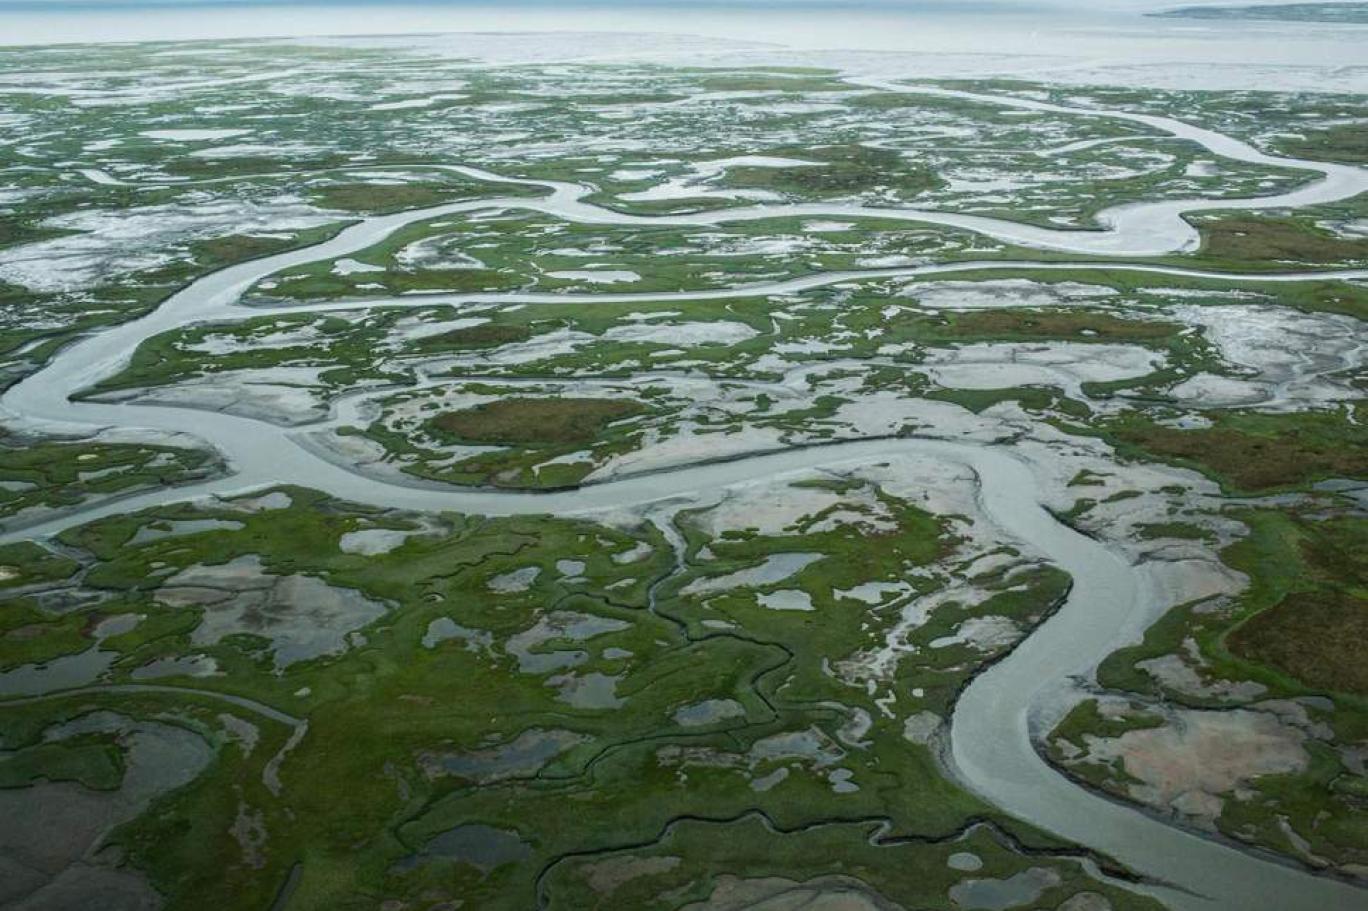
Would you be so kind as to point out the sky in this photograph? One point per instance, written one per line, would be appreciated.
(678, 4)
(1081, 6)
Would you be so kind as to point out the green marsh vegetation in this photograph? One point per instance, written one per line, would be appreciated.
(420, 715)
(49, 475)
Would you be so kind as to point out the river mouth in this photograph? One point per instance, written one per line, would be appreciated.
(991, 740)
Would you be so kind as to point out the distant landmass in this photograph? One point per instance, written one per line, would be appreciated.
(1287, 12)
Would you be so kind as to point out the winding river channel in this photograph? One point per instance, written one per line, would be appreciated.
(992, 751)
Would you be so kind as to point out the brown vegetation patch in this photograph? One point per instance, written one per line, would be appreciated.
(1259, 452)
(1348, 142)
(1056, 324)
(369, 197)
(566, 420)
(1320, 638)
(487, 335)
(841, 170)
(1277, 240)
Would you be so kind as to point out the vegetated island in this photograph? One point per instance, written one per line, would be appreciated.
(1283, 12)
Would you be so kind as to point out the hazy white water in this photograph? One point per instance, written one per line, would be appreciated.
(1100, 41)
